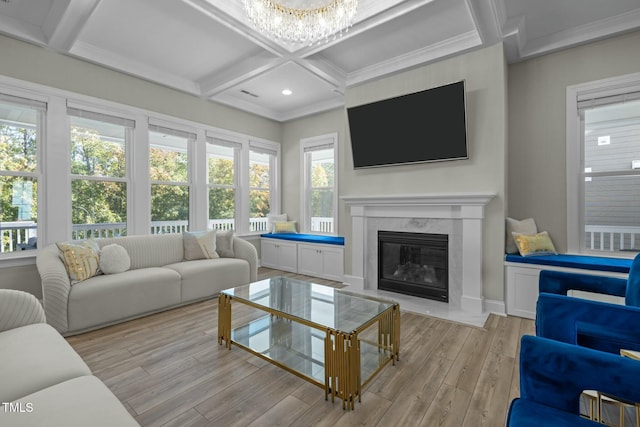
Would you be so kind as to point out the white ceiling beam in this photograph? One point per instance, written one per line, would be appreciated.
(324, 70)
(21, 30)
(254, 66)
(487, 19)
(65, 22)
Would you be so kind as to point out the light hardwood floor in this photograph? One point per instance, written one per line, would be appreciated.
(168, 370)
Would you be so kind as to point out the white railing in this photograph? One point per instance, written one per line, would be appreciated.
(612, 237)
(88, 231)
(322, 224)
(15, 235)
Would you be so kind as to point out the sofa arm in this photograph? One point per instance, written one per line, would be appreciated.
(559, 282)
(55, 287)
(18, 308)
(245, 250)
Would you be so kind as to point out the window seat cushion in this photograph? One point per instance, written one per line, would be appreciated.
(309, 238)
(585, 262)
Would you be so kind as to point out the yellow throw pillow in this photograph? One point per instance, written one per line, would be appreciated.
(284, 227)
(534, 244)
(80, 259)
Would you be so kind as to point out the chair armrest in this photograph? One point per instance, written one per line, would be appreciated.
(18, 308)
(559, 282)
(245, 250)
(554, 374)
(562, 318)
(55, 287)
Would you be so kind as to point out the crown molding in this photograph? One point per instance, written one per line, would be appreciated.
(108, 59)
(452, 46)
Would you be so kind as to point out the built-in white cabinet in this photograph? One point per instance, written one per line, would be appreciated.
(324, 261)
(279, 254)
(311, 259)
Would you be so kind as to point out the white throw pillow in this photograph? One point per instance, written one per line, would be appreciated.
(114, 259)
(526, 226)
(199, 245)
(272, 219)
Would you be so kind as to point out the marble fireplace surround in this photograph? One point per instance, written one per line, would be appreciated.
(459, 215)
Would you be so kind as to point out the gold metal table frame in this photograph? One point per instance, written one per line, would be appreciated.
(342, 349)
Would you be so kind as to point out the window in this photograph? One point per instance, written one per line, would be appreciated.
(19, 172)
(170, 183)
(262, 174)
(222, 182)
(606, 169)
(319, 186)
(99, 175)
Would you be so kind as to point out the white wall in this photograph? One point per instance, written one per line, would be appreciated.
(537, 125)
(485, 75)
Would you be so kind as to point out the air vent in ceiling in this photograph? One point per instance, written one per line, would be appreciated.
(246, 92)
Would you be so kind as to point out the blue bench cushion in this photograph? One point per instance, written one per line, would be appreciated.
(525, 413)
(617, 265)
(309, 238)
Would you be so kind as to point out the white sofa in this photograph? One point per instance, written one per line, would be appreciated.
(43, 381)
(159, 278)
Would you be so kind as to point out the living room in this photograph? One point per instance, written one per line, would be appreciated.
(515, 124)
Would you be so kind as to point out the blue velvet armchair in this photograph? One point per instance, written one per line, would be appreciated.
(557, 282)
(598, 325)
(554, 374)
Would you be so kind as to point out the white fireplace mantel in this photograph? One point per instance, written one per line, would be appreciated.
(467, 208)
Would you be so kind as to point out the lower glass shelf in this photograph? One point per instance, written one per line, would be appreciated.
(301, 348)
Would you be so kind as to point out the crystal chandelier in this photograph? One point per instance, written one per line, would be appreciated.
(315, 22)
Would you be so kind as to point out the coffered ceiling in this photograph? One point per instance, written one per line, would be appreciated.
(209, 49)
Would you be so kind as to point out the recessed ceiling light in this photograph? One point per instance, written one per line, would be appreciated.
(287, 92)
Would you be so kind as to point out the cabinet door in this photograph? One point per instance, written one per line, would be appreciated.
(310, 260)
(287, 256)
(268, 254)
(333, 264)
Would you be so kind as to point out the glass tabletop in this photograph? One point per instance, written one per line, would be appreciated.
(319, 304)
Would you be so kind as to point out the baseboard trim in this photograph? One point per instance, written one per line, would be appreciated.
(495, 306)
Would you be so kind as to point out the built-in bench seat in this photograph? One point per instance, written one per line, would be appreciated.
(522, 273)
(309, 238)
(310, 254)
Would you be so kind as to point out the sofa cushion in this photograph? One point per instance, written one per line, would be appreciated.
(149, 251)
(33, 357)
(104, 299)
(199, 245)
(205, 278)
(83, 401)
(525, 413)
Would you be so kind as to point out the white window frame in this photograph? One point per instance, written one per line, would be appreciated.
(181, 131)
(580, 94)
(74, 110)
(40, 106)
(312, 144)
(273, 149)
(237, 149)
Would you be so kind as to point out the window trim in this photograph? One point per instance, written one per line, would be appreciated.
(577, 95)
(310, 144)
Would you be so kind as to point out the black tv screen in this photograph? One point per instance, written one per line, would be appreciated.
(426, 126)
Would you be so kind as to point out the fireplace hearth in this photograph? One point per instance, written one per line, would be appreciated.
(414, 264)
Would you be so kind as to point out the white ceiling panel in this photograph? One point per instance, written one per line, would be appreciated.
(428, 25)
(209, 49)
(167, 35)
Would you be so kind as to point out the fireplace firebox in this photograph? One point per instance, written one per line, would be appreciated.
(414, 264)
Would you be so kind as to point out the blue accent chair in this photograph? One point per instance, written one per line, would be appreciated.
(557, 282)
(554, 374)
(594, 324)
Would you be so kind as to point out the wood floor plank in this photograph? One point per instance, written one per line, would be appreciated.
(168, 370)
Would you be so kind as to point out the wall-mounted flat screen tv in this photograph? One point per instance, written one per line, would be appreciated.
(426, 126)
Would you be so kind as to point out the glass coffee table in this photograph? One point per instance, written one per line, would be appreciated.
(333, 338)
